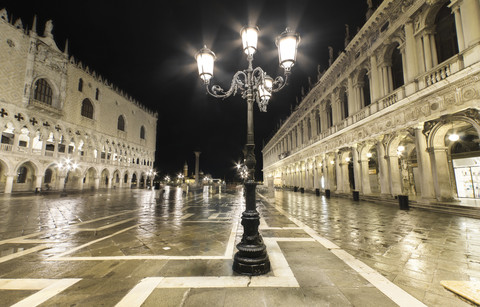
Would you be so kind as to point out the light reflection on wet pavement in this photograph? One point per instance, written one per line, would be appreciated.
(415, 249)
(102, 245)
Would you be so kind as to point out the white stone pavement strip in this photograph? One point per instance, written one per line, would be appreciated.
(48, 289)
(107, 226)
(283, 278)
(392, 291)
(23, 253)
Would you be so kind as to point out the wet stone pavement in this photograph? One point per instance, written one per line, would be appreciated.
(128, 248)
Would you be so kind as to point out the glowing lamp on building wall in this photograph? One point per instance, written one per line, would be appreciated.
(453, 137)
(347, 159)
(369, 154)
(287, 44)
(400, 148)
(332, 162)
(205, 61)
(249, 39)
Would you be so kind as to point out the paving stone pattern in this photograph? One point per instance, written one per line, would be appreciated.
(128, 248)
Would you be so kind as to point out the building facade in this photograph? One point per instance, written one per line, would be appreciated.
(55, 112)
(396, 113)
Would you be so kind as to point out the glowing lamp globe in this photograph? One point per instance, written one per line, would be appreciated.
(287, 44)
(249, 39)
(205, 60)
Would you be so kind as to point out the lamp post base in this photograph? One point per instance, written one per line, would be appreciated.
(251, 258)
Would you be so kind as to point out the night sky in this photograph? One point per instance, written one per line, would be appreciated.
(147, 49)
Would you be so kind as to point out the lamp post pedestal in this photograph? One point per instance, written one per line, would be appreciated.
(251, 258)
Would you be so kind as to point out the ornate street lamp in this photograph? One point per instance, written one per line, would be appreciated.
(254, 85)
(67, 165)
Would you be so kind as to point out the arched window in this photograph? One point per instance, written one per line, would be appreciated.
(302, 137)
(344, 103)
(366, 90)
(446, 34)
(48, 176)
(87, 108)
(317, 122)
(121, 123)
(43, 92)
(97, 94)
(142, 132)
(22, 174)
(309, 129)
(328, 110)
(397, 68)
(80, 84)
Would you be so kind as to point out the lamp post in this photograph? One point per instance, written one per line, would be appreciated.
(67, 165)
(254, 85)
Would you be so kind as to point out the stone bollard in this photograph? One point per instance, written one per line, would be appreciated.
(403, 202)
(356, 195)
(327, 193)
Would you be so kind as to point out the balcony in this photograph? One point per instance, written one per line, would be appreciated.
(39, 106)
(441, 71)
(6, 147)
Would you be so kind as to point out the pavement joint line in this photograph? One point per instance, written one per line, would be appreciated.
(57, 286)
(106, 226)
(392, 291)
(94, 241)
(12, 240)
(23, 253)
(186, 216)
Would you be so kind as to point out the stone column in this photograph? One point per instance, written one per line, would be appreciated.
(129, 181)
(365, 177)
(427, 51)
(424, 165)
(43, 146)
(410, 53)
(374, 78)
(394, 178)
(325, 173)
(9, 184)
(110, 180)
(470, 12)
(353, 106)
(338, 171)
(459, 27)
(357, 176)
(197, 167)
(38, 182)
(383, 169)
(97, 183)
(61, 182)
(16, 136)
(345, 177)
(441, 176)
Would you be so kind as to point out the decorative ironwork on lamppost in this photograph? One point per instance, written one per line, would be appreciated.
(67, 165)
(254, 85)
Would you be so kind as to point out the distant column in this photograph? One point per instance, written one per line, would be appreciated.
(9, 184)
(197, 167)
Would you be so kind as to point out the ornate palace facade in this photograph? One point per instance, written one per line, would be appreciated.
(398, 112)
(55, 110)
